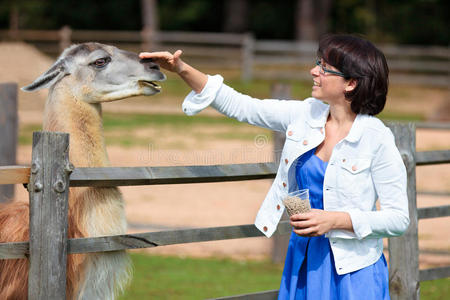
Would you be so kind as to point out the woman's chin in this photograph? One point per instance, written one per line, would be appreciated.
(315, 94)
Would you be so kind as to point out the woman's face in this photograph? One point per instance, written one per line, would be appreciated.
(327, 86)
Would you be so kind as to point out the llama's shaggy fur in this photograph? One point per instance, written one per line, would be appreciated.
(77, 87)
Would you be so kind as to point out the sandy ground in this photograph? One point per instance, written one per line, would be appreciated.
(154, 208)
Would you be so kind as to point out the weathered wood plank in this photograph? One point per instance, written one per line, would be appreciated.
(266, 295)
(116, 176)
(404, 250)
(164, 238)
(433, 212)
(435, 273)
(14, 174)
(14, 250)
(148, 239)
(106, 177)
(8, 133)
(433, 125)
(432, 157)
(49, 190)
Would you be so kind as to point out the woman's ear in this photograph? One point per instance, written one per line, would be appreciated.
(350, 85)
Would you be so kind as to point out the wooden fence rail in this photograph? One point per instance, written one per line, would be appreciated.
(48, 179)
(129, 176)
(272, 59)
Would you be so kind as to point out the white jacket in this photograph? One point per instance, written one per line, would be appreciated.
(363, 167)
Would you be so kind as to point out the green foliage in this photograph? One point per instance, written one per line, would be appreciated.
(194, 15)
(402, 21)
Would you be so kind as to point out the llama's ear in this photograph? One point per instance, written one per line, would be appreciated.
(57, 71)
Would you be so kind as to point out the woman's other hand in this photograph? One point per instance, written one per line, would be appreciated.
(167, 60)
(318, 222)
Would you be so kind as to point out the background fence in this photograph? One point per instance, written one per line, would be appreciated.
(48, 181)
(273, 59)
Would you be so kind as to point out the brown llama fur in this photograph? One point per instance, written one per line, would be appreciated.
(14, 221)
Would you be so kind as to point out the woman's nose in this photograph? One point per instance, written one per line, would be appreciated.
(314, 71)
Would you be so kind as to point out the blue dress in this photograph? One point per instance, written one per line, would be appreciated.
(309, 270)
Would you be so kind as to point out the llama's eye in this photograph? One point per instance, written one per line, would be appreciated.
(101, 62)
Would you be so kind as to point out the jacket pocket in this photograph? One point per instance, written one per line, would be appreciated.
(294, 133)
(353, 176)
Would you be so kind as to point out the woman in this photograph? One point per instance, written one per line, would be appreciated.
(345, 156)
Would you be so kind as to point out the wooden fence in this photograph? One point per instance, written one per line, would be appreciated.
(272, 59)
(8, 133)
(50, 175)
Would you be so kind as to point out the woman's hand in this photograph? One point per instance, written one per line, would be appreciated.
(166, 60)
(318, 222)
(172, 62)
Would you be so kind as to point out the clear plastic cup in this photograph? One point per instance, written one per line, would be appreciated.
(297, 202)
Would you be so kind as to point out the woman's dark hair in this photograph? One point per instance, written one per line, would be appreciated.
(358, 59)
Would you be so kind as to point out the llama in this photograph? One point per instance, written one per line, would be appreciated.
(82, 77)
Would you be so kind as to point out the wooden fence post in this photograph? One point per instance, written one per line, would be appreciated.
(49, 190)
(404, 250)
(280, 242)
(8, 133)
(248, 48)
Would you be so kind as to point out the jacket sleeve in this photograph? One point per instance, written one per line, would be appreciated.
(389, 179)
(269, 113)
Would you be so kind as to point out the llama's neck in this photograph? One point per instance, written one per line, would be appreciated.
(83, 121)
(95, 211)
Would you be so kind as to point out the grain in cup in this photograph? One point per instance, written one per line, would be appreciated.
(297, 202)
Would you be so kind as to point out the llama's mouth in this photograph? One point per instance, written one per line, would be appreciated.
(151, 84)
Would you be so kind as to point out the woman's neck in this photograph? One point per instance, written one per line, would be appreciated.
(341, 115)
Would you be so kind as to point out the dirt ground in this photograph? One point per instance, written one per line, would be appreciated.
(154, 208)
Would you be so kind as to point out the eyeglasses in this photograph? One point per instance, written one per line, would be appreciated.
(324, 70)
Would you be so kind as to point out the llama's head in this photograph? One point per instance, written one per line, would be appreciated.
(94, 73)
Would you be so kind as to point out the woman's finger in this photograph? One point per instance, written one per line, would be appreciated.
(301, 224)
(299, 217)
(160, 54)
(312, 231)
(177, 54)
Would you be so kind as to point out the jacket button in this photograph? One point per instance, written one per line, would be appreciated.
(305, 142)
(278, 207)
(354, 168)
(284, 184)
(290, 133)
(265, 228)
(344, 160)
(286, 160)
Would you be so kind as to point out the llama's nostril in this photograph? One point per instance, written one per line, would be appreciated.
(153, 67)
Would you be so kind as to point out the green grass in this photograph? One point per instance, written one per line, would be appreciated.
(166, 277)
(112, 121)
(435, 289)
(401, 117)
(159, 277)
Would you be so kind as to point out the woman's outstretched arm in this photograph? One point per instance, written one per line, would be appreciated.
(172, 62)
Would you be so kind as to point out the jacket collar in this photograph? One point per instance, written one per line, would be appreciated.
(318, 114)
(356, 130)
